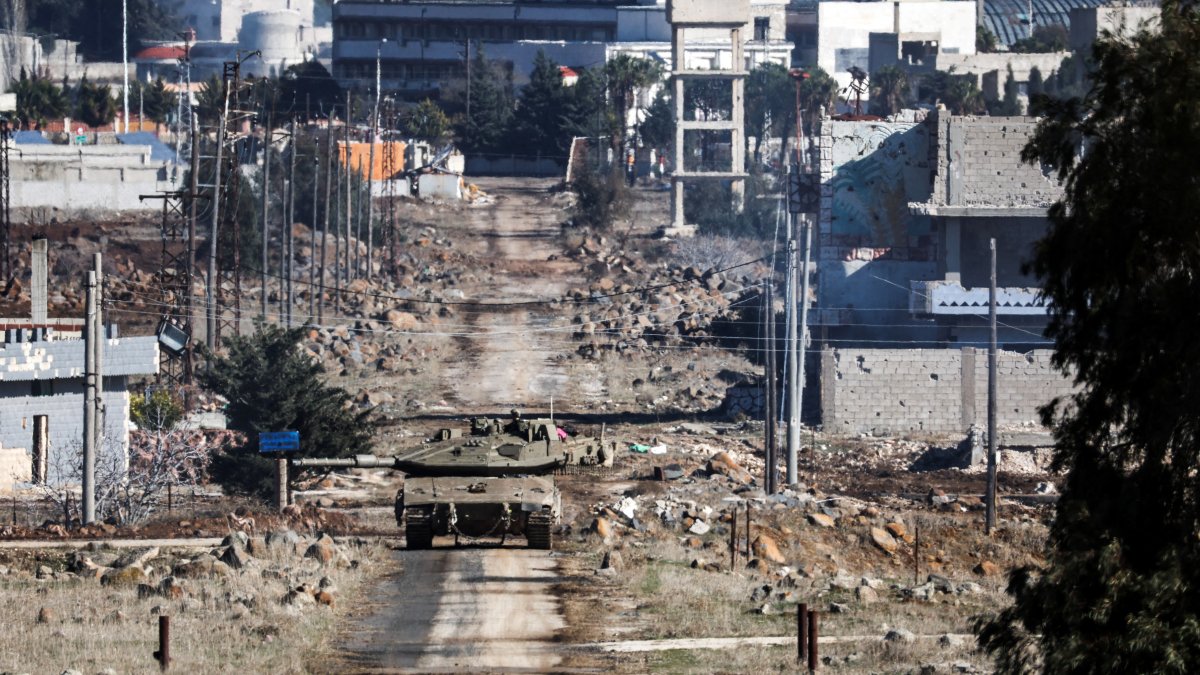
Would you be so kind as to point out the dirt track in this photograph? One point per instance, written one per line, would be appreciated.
(453, 610)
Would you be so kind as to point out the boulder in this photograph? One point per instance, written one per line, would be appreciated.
(400, 320)
(820, 520)
(766, 548)
(126, 577)
(699, 528)
(204, 567)
(612, 560)
(236, 557)
(883, 540)
(323, 550)
(896, 530)
(758, 565)
(866, 595)
(986, 568)
(324, 598)
(44, 615)
(723, 464)
(602, 528)
(900, 635)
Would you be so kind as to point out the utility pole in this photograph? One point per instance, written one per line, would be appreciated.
(214, 227)
(371, 161)
(802, 348)
(990, 519)
(125, 60)
(358, 218)
(93, 345)
(793, 427)
(288, 229)
(266, 213)
(328, 210)
(349, 193)
(193, 218)
(312, 262)
(771, 400)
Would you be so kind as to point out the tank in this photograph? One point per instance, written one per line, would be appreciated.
(491, 480)
(488, 448)
(474, 508)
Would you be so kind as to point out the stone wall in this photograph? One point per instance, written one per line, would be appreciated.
(893, 391)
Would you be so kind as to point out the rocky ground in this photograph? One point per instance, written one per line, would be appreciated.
(496, 306)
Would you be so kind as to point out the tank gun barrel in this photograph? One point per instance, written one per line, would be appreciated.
(357, 461)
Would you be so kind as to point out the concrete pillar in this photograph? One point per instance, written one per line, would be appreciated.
(37, 286)
(737, 134)
(679, 62)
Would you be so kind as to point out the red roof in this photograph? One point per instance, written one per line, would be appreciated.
(161, 52)
(567, 71)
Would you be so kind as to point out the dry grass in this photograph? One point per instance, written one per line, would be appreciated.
(234, 624)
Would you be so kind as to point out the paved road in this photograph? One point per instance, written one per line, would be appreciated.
(466, 609)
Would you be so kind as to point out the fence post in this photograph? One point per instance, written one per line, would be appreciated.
(812, 642)
(801, 632)
(163, 655)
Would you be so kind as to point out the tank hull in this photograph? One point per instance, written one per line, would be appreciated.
(474, 507)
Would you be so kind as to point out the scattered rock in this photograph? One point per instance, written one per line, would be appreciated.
(203, 567)
(323, 550)
(602, 528)
(896, 530)
(723, 464)
(612, 560)
(883, 540)
(324, 598)
(986, 568)
(900, 635)
(820, 520)
(44, 572)
(951, 640)
(758, 565)
(125, 577)
(838, 608)
(765, 547)
(44, 615)
(699, 527)
(298, 598)
(866, 595)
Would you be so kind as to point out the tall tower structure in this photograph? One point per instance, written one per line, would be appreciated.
(709, 18)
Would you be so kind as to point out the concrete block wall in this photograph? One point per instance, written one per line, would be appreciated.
(978, 163)
(896, 391)
(64, 411)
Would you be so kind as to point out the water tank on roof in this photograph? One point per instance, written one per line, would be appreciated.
(276, 33)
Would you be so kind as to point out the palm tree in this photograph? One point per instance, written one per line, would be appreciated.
(626, 76)
(889, 90)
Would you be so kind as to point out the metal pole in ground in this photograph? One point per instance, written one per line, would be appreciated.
(90, 335)
(281, 482)
(801, 632)
(266, 214)
(793, 427)
(288, 232)
(990, 519)
(769, 380)
(733, 540)
(802, 345)
(163, 655)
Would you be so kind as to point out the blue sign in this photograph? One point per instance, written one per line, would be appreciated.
(279, 441)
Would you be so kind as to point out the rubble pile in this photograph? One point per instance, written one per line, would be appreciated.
(281, 566)
(661, 306)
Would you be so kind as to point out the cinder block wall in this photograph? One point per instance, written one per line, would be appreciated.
(893, 391)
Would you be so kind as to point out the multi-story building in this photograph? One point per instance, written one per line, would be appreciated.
(423, 45)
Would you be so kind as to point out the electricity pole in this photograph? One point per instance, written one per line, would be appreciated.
(348, 191)
(793, 374)
(288, 229)
(125, 60)
(328, 210)
(312, 259)
(990, 518)
(214, 227)
(266, 213)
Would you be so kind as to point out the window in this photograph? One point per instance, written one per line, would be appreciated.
(762, 28)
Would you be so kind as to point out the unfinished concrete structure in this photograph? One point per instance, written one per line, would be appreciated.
(89, 179)
(42, 391)
(907, 209)
(698, 15)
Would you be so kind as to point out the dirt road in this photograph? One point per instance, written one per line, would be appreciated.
(510, 346)
(454, 610)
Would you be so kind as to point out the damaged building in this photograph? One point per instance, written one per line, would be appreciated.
(42, 391)
(908, 208)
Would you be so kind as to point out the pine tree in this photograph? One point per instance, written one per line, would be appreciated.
(539, 121)
(486, 128)
(95, 105)
(1119, 591)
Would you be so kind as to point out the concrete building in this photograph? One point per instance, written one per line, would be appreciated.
(423, 45)
(869, 35)
(991, 70)
(1087, 23)
(55, 180)
(908, 206)
(42, 392)
(223, 20)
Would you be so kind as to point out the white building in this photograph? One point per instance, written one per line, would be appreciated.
(222, 20)
(867, 34)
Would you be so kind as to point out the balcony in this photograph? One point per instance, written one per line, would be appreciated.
(948, 298)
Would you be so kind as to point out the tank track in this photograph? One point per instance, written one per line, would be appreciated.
(537, 531)
(418, 530)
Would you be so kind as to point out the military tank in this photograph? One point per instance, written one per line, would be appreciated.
(491, 481)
